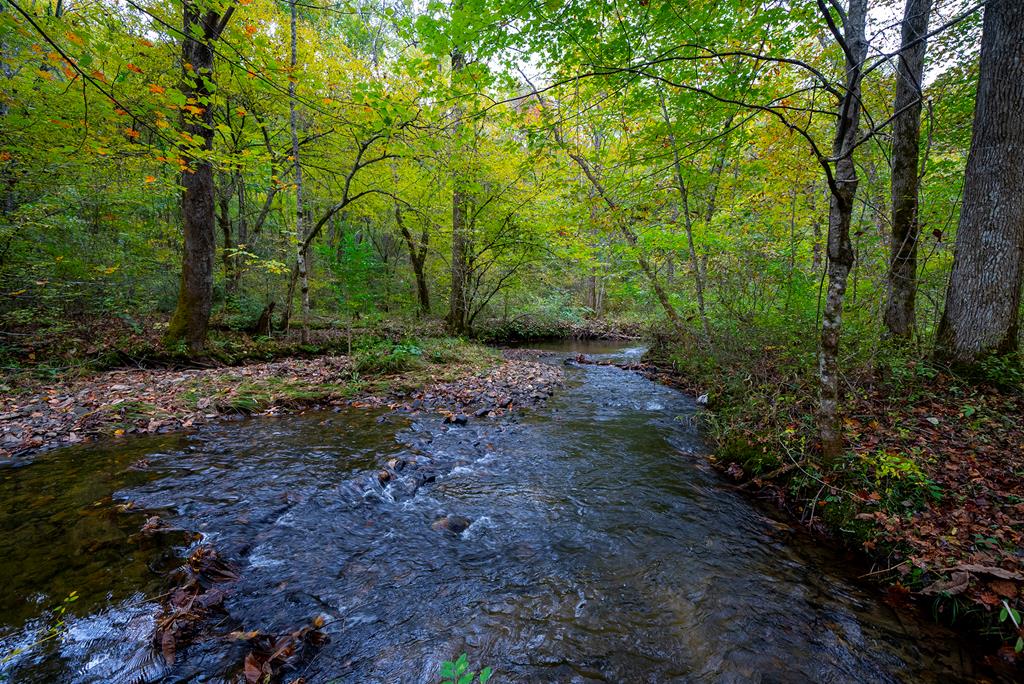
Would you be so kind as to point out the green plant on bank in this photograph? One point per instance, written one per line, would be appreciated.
(388, 357)
(1004, 371)
(458, 672)
(1008, 614)
(46, 633)
(900, 477)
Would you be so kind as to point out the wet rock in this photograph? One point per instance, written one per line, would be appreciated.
(396, 464)
(456, 524)
(384, 477)
(456, 419)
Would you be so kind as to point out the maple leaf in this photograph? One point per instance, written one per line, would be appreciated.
(158, 90)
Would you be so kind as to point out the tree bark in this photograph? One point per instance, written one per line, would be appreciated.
(191, 316)
(458, 310)
(224, 194)
(302, 253)
(243, 234)
(417, 258)
(839, 250)
(684, 199)
(906, 133)
(984, 293)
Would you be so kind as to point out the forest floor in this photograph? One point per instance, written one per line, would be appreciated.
(930, 488)
(447, 376)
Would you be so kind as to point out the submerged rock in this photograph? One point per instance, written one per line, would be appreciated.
(456, 524)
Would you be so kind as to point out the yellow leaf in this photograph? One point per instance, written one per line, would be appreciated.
(118, 432)
(150, 179)
(158, 90)
(73, 38)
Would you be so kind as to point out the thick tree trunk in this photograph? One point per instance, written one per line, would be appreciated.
(906, 133)
(458, 307)
(840, 251)
(192, 314)
(983, 298)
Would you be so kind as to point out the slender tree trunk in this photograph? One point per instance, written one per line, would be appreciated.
(224, 220)
(906, 133)
(631, 238)
(195, 297)
(840, 251)
(302, 253)
(243, 234)
(417, 258)
(817, 253)
(457, 303)
(698, 276)
(984, 294)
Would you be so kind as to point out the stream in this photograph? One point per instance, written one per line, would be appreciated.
(601, 547)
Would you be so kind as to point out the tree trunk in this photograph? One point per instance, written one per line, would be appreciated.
(302, 253)
(457, 305)
(243, 234)
(839, 249)
(983, 298)
(224, 220)
(195, 297)
(684, 199)
(906, 133)
(417, 258)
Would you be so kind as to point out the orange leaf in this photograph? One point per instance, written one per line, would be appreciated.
(150, 179)
(158, 90)
(131, 133)
(131, 67)
(73, 38)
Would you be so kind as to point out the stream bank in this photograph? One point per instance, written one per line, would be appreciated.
(457, 376)
(930, 493)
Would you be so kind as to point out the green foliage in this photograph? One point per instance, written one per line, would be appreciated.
(387, 357)
(1004, 371)
(458, 672)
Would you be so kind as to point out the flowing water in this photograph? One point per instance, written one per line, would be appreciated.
(602, 548)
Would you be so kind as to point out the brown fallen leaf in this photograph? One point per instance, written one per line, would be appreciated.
(956, 584)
